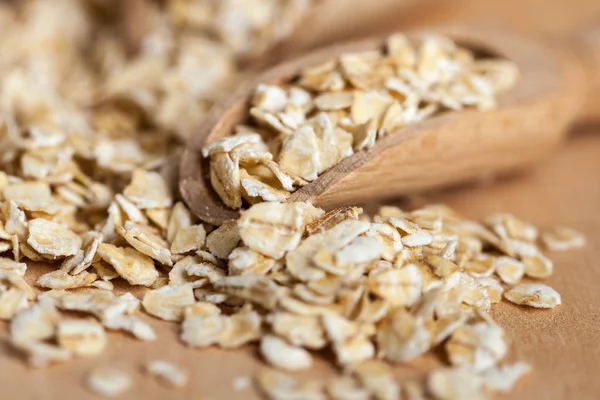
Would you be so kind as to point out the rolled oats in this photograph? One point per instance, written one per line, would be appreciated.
(455, 384)
(377, 378)
(11, 302)
(346, 388)
(167, 372)
(88, 178)
(283, 355)
(168, 302)
(311, 122)
(133, 266)
(204, 330)
(478, 346)
(278, 386)
(535, 295)
(188, 239)
(108, 381)
(504, 378)
(275, 228)
(52, 239)
(509, 270)
(402, 336)
(81, 337)
(562, 238)
(148, 190)
(538, 266)
(61, 280)
(223, 240)
(298, 330)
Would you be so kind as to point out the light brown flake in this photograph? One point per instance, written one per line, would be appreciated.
(52, 239)
(133, 266)
(255, 288)
(167, 373)
(225, 179)
(332, 218)
(81, 337)
(535, 295)
(204, 330)
(538, 266)
(61, 280)
(201, 308)
(504, 378)
(188, 239)
(227, 144)
(283, 355)
(11, 302)
(108, 381)
(300, 154)
(299, 330)
(148, 190)
(16, 267)
(146, 240)
(377, 378)
(346, 388)
(389, 238)
(402, 336)
(275, 228)
(561, 238)
(455, 384)
(243, 260)
(279, 386)
(168, 302)
(31, 196)
(476, 346)
(299, 261)
(400, 287)
(223, 240)
(509, 270)
(256, 190)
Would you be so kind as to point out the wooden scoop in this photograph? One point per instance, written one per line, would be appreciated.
(451, 147)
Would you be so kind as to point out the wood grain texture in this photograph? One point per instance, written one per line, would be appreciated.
(562, 344)
(450, 148)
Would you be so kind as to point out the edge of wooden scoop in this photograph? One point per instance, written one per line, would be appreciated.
(528, 122)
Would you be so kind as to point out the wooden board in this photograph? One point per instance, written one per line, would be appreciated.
(562, 344)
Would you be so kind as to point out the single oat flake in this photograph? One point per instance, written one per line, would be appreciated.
(535, 295)
(168, 373)
(108, 381)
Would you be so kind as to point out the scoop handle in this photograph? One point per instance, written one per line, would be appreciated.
(585, 45)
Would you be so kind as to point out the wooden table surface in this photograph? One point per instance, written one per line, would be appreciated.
(562, 344)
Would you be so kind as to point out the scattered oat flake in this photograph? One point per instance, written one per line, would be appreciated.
(505, 377)
(279, 386)
(82, 337)
(478, 346)
(283, 355)
(455, 384)
(52, 238)
(167, 372)
(535, 295)
(168, 302)
(108, 381)
(241, 383)
(562, 238)
(133, 266)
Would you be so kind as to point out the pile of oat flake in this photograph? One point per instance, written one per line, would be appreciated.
(299, 129)
(89, 143)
